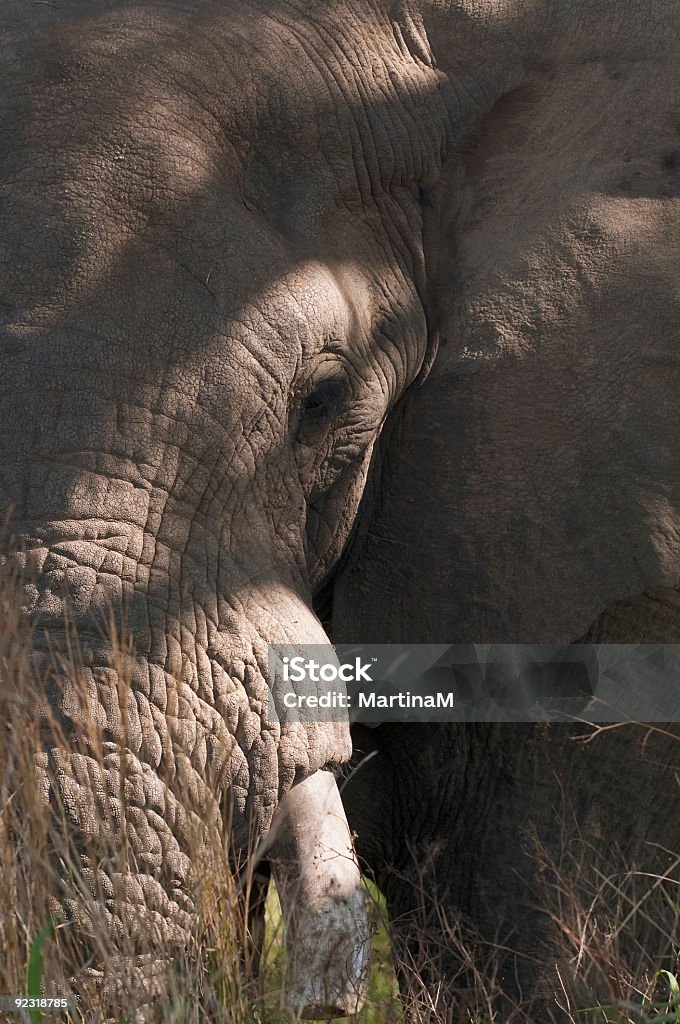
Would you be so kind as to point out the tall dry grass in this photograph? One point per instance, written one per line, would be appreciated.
(614, 956)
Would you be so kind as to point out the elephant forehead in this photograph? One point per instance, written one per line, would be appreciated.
(311, 102)
(143, 203)
(209, 313)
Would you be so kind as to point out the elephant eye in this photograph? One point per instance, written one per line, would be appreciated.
(319, 406)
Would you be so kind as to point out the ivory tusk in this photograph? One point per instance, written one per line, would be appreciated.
(322, 899)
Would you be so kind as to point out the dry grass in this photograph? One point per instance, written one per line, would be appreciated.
(595, 985)
(620, 929)
(215, 979)
(617, 931)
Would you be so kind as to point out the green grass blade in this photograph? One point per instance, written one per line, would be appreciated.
(674, 987)
(34, 971)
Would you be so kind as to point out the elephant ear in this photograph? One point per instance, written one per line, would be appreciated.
(529, 480)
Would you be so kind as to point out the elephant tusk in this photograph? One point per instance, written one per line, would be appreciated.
(323, 901)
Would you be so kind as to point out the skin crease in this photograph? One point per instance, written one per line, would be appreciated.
(232, 236)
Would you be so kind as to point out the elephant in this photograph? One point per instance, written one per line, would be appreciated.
(319, 322)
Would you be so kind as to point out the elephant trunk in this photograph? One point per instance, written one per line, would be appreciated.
(149, 757)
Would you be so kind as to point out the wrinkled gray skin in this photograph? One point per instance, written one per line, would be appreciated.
(232, 235)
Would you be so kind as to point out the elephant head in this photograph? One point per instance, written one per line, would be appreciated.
(212, 295)
(221, 269)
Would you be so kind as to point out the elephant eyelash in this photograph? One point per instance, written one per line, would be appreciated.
(326, 397)
(319, 406)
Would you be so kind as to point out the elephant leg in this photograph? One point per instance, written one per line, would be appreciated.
(513, 859)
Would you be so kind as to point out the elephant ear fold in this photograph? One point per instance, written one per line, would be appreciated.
(433, 341)
(440, 203)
